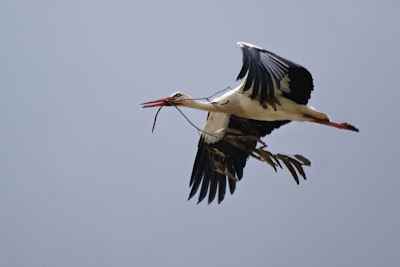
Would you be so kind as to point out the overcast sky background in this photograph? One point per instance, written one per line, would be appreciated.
(84, 182)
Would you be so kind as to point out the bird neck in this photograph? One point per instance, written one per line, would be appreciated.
(206, 106)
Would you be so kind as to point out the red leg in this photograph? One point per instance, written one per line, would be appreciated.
(342, 125)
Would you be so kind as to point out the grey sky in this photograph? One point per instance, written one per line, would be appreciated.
(83, 182)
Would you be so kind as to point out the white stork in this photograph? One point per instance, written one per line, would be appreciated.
(274, 93)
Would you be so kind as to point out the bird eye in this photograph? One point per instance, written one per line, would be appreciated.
(178, 95)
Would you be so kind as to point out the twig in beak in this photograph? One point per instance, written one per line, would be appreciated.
(155, 119)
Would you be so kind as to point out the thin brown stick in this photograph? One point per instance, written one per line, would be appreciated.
(155, 119)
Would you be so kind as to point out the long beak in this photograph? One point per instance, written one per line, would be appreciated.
(157, 103)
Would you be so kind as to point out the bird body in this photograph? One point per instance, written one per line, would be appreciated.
(275, 92)
(239, 104)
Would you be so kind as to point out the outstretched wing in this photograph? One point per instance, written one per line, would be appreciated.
(217, 160)
(269, 74)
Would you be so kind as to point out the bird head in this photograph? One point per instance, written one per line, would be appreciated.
(176, 99)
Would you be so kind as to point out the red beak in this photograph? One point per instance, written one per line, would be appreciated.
(167, 101)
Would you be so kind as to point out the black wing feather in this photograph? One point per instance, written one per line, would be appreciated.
(263, 84)
(250, 76)
(256, 81)
(234, 159)
(302, 83)
(213, 190)
(221, 187)
(265, 70)
(202, 163)
(206, 184)
(244, 69)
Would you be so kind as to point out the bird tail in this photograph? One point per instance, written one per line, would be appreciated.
(310, 114)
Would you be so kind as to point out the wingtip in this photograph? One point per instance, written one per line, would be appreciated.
(243, 44)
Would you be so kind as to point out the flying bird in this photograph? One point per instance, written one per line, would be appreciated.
(275, 91)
